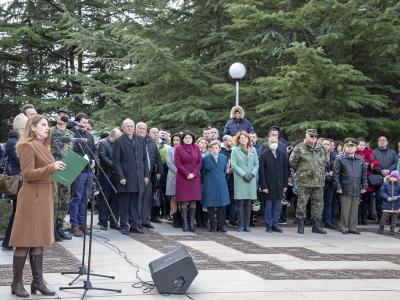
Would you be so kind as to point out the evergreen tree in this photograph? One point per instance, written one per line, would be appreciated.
(314, 92)
(327, 64)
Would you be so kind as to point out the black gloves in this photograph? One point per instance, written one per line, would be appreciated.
(248, 177)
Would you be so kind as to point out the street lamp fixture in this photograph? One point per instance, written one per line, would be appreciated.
(237, 71)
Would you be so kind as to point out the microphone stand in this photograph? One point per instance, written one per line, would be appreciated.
(87, 285)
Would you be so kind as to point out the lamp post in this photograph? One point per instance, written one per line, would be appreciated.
(237, 72)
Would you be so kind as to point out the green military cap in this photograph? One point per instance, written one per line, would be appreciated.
(64, 110)
(312, 131)
(350, 142)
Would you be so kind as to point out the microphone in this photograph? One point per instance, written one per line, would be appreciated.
(67, 140)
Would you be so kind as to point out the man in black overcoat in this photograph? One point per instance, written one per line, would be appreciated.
(273, 173)
(105, 149)
(130, 159)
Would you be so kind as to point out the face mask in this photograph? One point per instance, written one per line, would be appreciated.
(273, 146)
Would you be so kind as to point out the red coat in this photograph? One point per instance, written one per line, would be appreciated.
(368, 155)
(188, 160)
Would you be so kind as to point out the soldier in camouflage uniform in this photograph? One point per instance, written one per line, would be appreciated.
(308, 159)
(63, 194)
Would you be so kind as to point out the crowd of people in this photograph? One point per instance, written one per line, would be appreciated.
(207, 181)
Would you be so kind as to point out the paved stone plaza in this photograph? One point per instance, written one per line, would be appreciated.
(255, 265)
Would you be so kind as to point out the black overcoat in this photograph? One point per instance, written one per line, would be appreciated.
(129, 159)
(273, 173)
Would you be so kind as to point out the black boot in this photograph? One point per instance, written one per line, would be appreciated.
(17, 286)
(57, 237)
(300, 225)
(61, 233)
(192, 214)
(221, 219)
(317, 227)
(175, 220)
(198, 216)
(37, 275)
(211, 218)
(184, 215)
(381, 228)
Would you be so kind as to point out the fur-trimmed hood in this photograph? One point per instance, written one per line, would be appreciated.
(237, 108)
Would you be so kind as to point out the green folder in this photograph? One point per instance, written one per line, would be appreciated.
(74, 164)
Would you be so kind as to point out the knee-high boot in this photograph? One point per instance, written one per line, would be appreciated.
(198, 216)
(175, 220)
(37, 274)
(17, 285)
(184, 215)
(192, 214)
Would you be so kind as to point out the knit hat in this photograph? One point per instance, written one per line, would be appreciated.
(395, 174)
(20, 122)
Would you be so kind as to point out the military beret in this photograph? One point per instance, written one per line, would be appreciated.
(312, 131)
(350, 142)
(64, 110)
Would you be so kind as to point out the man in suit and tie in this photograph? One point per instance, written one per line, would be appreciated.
(129, 159)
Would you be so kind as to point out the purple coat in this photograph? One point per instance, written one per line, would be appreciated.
(188, 160)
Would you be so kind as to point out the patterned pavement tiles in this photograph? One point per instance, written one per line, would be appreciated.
(267, 270)
(299, 252)
(165, 244)
(56, 260)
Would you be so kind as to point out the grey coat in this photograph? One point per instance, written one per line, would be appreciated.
(388, 159)
(350, 174)
(171, 177)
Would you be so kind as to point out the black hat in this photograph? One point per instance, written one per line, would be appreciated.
(275, 127)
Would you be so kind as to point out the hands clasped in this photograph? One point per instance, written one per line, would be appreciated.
(248, 177)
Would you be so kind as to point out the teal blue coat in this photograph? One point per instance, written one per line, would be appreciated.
(215, 191)
(241, 165)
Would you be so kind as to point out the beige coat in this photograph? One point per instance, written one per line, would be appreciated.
(34, 219)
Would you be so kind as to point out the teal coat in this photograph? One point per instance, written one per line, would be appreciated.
(241, 165)
(215, 191)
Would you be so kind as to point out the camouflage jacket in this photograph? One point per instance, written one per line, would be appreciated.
(309, 164)
(58, 148)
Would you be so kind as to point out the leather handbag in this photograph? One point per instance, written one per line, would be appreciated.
(375, 180)
(9, 183)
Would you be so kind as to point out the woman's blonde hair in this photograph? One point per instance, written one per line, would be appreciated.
(237, 137)
(28, 134)
(201, 139)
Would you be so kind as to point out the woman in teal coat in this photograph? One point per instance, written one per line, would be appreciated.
(244, 162)
(215, 193)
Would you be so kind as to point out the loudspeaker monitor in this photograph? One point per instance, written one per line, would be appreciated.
(174, 272)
